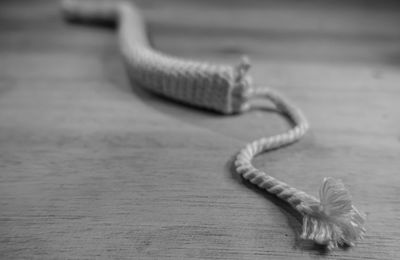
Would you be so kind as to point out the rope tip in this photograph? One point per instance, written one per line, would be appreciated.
(335, 221)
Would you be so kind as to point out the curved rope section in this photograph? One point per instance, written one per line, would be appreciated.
(201, 84)
(332, 220)
(245, 156)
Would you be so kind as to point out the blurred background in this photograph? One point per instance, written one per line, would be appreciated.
(92, 167)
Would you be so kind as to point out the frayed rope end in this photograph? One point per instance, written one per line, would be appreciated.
(334, 221)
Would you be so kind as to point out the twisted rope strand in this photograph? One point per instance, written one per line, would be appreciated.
(261, 179)
(332, 220)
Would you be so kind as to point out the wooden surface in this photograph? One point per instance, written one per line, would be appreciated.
(94, 168)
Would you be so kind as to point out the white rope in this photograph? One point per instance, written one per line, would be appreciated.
(332, 220)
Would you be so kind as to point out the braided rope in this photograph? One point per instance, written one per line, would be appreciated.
(201, 84)
(332, 220)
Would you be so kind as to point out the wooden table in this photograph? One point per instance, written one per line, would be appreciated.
(94, 168)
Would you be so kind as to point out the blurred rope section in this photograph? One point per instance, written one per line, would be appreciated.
(332, 220)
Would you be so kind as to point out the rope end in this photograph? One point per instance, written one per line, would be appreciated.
(334, 221)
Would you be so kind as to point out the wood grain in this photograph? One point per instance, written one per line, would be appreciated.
(92, 167)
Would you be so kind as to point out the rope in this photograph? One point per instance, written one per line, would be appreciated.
(201, 84)
(245, 156)
(332, 220)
